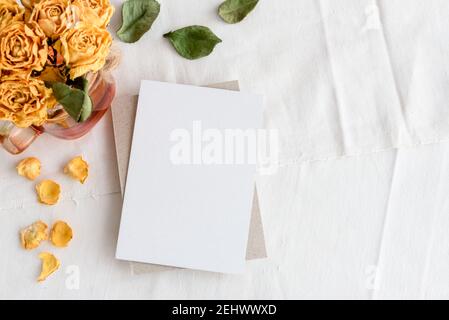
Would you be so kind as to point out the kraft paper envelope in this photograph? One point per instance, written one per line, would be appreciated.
(123, 115)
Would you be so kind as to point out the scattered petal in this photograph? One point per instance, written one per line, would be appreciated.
(29, 168)
(78, 169)
(48, 192)
(32, 235)
(61, 234)
(49, 265)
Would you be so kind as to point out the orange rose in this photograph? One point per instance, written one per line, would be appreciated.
(9, 12)
(53, 16)
(25, 102)
(23, 48)
(85, 48)
(97, 12)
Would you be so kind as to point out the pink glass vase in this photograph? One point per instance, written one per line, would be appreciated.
(101, 90)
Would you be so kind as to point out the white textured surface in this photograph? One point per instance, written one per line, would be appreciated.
(341, 78)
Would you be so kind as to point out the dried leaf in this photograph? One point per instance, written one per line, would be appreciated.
(234, 11)
(138, 16)
(76, 102)
(193, 42)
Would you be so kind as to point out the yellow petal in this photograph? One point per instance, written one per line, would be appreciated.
(78, 169)
(32, 235)
(61, 234)
(29, 168)
(48, 192)
(49, 265)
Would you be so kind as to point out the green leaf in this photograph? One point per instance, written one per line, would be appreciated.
(76, 102)
(138, 17)
(193, 42)
(234, 11)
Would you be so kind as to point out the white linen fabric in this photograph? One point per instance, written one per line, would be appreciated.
(365, 227)
(353, 78)
(340, 77)
(18, 192)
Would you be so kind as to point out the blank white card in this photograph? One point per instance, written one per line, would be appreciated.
(188, 195)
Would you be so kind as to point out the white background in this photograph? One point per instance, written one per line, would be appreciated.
(347, 215)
